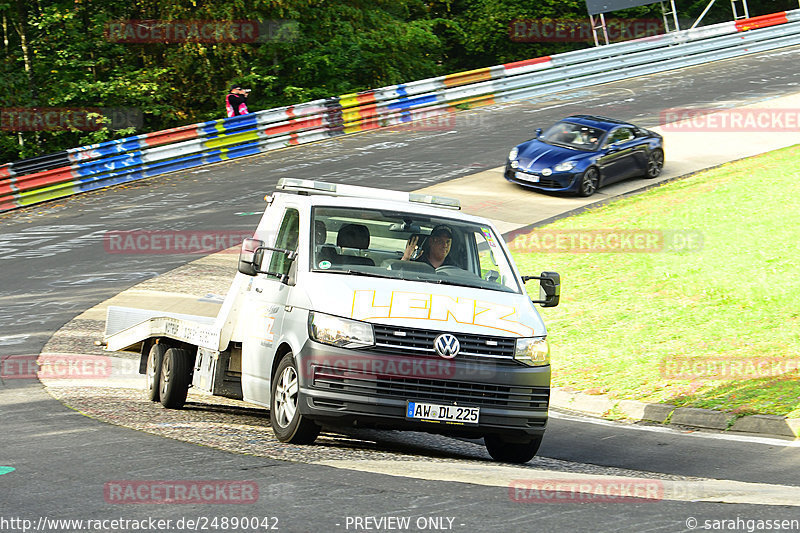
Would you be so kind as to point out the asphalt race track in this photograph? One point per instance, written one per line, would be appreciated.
(53, 265)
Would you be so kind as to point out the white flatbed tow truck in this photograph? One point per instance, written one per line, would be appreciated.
(367, 307)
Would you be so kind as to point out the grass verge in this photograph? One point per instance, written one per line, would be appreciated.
(715, 324)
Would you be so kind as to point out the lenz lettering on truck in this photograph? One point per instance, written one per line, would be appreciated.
(366, 307)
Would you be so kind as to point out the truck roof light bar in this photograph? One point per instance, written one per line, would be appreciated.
(441, 201)
(302, 186)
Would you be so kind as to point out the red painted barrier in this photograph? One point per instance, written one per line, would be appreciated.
(44, 179)
(6, 188)
(7, 204)
(367, 97)
(527, 62)
(764, 21)
(368, 111)
(184, 133)
(294, 125)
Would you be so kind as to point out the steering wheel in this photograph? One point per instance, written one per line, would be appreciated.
(445, 269)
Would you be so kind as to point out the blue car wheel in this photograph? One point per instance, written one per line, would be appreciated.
(655, 163)
(589, 182)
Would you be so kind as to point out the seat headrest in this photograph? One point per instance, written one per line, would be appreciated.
(353, 236)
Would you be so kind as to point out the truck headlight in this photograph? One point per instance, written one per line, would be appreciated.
(532, 351)
(340, 332)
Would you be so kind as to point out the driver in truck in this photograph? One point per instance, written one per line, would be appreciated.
(434, 248)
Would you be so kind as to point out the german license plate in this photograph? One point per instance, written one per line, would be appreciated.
(443, 413)
(527, 177)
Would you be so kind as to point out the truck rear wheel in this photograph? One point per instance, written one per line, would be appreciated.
(284, 413)
(155, 358)
(505, 451)
(175, 378)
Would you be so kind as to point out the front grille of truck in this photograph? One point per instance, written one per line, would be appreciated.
(438, 390)
(409, 341)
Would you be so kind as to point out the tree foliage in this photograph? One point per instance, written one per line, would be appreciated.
(57, 54)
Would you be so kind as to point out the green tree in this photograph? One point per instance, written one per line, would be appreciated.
(59, 53)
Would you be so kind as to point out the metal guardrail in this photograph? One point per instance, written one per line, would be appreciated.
(87, 168)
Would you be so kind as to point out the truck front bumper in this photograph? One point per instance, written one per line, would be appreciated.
(356, 387)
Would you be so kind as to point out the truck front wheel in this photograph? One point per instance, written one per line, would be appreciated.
(511, 452)
(175, 378)
(284, 413)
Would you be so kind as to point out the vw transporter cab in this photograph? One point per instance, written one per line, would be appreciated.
(345, 312)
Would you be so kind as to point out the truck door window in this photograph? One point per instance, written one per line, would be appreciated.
(489, 269)
(287, 238)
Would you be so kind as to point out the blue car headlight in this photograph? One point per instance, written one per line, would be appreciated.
(512, 155)
(566, 166)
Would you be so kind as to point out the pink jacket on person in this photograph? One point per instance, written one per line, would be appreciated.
(236, 105)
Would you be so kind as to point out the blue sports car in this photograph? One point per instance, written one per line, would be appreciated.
(582, 153)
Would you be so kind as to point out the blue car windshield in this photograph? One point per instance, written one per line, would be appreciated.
(573, 135)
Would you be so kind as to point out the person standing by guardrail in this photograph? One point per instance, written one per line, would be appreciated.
(236, 101)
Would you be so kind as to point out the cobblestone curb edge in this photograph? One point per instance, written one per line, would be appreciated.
(603, 406)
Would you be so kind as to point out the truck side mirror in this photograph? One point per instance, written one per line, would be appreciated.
(549, 288)
(250, 256)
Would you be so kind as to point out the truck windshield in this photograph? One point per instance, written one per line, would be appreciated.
(410, 247)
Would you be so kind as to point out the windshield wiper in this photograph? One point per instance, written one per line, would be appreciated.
(359, 273)
(448, 282)
(488, 286)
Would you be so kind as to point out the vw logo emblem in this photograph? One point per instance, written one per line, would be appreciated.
(446, 345)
